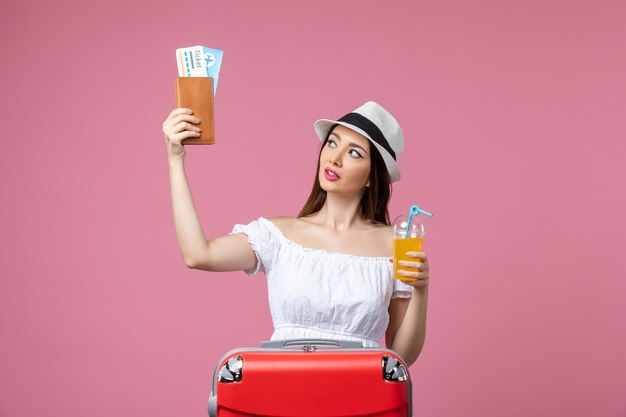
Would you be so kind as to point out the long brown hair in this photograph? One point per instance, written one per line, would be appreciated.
(375, 199)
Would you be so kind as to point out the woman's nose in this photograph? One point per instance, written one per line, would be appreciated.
(334, 159)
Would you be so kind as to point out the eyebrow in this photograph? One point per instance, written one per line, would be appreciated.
(351, 143)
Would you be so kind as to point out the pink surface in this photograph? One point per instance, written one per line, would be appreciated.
(514, 119)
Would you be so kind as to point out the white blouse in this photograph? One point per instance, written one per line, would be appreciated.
(314, 293)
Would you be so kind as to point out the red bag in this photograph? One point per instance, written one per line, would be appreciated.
(311, 377)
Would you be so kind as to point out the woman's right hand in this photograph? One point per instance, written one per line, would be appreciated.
(179, 125)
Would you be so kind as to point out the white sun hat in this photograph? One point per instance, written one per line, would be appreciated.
(378, 125)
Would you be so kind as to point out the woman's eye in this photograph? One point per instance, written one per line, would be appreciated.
(355, 154)
(331, 143)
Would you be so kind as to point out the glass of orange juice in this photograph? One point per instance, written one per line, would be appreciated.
(406, 241)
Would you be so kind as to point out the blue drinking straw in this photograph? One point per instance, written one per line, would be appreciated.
(415, 210)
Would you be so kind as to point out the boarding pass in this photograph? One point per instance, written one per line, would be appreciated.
(199, 61)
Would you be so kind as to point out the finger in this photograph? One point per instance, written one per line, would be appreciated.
(181, 110)
(418, 284)
(413, 274)
(180, 118)
(184, 118)
(185, 126)
(411, 264)
(176, 112)
(413, 254)
(405, 278)
(415, 283)
(177, 138)
(408, 274)
(170, 129)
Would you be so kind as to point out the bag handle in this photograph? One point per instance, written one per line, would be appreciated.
(299, 343)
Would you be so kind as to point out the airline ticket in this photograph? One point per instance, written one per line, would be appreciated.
(199, 61)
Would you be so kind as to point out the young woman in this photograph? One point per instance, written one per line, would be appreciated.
(329, 270)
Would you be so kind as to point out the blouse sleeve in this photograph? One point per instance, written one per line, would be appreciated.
(262, 242)
(401, 290)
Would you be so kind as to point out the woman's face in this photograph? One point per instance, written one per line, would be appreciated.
(345, 162)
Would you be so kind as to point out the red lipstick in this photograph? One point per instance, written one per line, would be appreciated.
(331, 175)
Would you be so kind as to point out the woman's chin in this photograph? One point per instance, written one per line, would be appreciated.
(340, 191)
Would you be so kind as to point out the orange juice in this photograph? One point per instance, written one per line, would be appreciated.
(400, 248)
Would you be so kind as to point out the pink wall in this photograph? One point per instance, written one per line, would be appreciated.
(514, 119)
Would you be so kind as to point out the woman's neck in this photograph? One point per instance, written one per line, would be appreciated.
(340, 213)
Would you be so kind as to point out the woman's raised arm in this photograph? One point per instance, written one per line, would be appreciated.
(227, 253)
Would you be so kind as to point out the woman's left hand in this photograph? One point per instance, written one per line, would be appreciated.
(416, 271)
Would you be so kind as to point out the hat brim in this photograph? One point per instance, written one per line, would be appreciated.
(322, 127)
